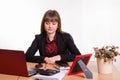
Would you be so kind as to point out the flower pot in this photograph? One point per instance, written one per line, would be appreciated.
(104, 67)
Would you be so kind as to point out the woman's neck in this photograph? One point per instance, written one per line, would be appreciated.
(51, 36)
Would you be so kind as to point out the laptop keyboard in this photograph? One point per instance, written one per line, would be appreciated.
(32, 71)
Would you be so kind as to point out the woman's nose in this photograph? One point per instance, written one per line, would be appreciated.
(50, 25)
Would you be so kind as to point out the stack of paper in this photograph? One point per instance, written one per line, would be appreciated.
(57, 76)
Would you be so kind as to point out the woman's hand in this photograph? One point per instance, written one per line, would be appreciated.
(52, 60)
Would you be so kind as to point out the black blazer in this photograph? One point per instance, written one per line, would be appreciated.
(65, 44)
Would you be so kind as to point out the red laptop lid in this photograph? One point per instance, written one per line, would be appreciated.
(13, 62)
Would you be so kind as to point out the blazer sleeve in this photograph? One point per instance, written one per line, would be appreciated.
(72, 49)
(30, 53)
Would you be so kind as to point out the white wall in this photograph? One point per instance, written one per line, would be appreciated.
(91, 22)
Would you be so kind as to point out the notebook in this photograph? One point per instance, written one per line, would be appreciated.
(13, 62)
(75, 68)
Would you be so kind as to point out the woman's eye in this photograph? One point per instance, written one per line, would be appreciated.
(54, 23)
(47, 23)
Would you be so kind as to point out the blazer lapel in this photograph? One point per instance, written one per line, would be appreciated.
(59, 43)
(43, 45)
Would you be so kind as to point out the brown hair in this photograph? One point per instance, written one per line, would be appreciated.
(51, 15)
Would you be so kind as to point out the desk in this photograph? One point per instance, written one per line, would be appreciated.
(92, 66)
(8, 77)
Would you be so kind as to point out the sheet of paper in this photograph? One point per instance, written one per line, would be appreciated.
(57, 76)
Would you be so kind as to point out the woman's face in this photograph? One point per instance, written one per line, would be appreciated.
(51, 27)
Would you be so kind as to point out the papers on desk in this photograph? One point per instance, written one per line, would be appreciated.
(57, 76)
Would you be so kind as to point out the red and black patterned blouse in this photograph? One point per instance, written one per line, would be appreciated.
(51, 47)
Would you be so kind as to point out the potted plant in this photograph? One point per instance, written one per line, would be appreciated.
(105, 57)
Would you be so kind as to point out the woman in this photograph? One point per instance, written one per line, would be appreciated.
(53, 44)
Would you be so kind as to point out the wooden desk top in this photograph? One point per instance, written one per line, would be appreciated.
(92, 66)
(8, 77)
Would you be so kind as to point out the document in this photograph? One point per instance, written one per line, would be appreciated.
(57, 76)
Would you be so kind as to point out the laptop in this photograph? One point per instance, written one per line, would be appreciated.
(13, 62)
(75, 67)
